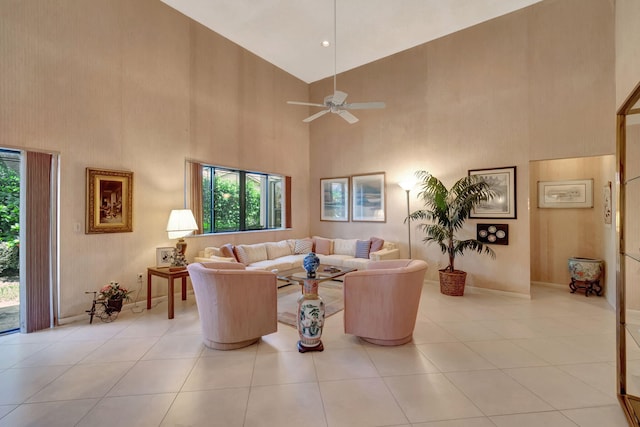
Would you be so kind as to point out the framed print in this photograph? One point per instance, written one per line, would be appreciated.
(164, 256)
(576, 193)
(109, 201)
(334, 199)
(503, 182)
(368, 202)
(606, 200)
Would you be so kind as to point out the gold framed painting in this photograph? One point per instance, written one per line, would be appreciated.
(109, 201)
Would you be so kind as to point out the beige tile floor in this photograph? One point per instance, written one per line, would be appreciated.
(482, 360)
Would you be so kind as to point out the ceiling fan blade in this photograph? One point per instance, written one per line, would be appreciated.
(310, 104)
(338, 97)
(347, 116)
(316, 115)
(364, 105)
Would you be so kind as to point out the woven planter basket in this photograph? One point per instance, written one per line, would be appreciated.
(452, 283)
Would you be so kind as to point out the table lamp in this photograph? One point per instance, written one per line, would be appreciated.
(181, 223)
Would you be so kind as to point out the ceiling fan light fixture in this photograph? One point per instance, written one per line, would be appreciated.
(325, 43)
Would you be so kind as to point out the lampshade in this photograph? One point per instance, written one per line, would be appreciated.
(181, 223)
(407, 185)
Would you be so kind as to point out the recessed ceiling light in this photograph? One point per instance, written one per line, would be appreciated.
(325, 43)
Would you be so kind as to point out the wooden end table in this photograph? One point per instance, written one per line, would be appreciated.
(170, 276)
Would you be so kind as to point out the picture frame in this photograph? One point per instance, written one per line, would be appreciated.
(164, 256)
(503, 182)
(568, 194)
(493, 234)
(606, 201)
(334, 199)
(368, 197)
(109, 201)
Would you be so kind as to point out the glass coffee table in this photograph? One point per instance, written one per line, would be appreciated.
(324, 272)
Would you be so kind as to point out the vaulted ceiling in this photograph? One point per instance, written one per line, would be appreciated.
(288, 33)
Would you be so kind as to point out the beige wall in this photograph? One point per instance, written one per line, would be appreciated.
(559, 234)
(532, 85)
(135, 85)
(627, 36)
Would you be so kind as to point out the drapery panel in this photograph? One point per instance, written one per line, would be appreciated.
(37, 247)
(194, 191)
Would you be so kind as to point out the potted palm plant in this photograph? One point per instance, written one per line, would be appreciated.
(447, 210)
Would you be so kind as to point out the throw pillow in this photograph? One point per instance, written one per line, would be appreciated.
(304, 246)
(324, 246)
(248, 254)
(227, 251)
(376, 244)
(362, 248)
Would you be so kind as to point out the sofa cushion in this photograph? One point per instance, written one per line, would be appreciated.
(248, 254)
(279, 264)
(222, 265)
(277, 249)
(227, 251)
(376, 244)
(323, 246)
(212, 251)
(344, 246)
(362, 248)
(357, 263)
(333, 259)
(214, 258)
(303, 246)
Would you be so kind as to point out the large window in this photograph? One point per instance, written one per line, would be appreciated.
(236, 200)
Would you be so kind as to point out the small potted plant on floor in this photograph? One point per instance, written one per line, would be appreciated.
(448, 209)
(114, 294)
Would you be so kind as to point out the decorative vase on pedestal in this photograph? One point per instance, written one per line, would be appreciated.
(586, 274)
(310, 317)
(310, 308)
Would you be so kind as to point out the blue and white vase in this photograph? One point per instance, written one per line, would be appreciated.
(310, 317)
(311, 263)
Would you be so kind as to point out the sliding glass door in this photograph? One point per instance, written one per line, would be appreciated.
(9, 241)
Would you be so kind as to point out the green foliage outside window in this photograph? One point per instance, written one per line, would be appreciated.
(252, 197)
(222, 205)
(227, 207)
(9, 218)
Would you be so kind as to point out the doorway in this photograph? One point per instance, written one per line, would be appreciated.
(558, 234)
(9, 241)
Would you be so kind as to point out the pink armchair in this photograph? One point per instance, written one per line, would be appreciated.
(236, 306)
(381, 303)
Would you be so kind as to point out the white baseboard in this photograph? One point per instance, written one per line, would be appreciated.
(485, 290)
(550, 285)
(142, 305)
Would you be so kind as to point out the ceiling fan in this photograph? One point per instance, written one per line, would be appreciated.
(335, 103)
